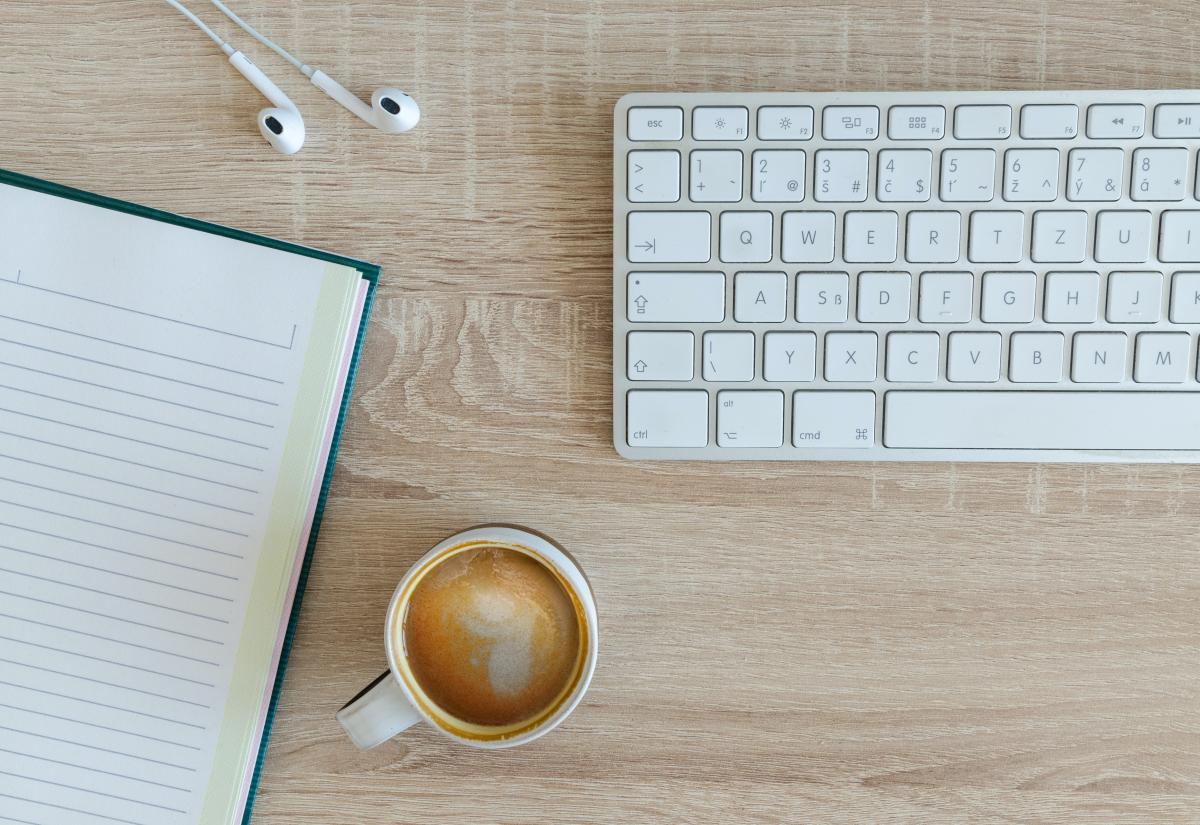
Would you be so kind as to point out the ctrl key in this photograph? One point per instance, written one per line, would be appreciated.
(666, 418)
(833, 420)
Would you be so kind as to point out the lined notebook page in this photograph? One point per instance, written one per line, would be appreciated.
(149, 378)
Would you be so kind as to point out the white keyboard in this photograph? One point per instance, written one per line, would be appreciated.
(995, 276)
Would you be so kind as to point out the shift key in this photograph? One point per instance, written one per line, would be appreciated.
(833, 420)
(669, 237)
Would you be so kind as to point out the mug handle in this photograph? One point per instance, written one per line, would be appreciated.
(377, 713)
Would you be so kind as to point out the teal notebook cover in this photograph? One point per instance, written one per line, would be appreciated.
(370, 273)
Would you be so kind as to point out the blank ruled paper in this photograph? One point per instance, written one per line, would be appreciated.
(149, 377)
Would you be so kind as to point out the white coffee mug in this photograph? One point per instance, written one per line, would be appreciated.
(395, 701)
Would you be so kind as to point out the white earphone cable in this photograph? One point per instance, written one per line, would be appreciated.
(266, 41)
(200, 24)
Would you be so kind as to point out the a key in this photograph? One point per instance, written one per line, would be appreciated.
(666, 418)
(750, 418)
(1008, 297)
(1177, 120)
(996, 237)
(716, 176)
(789, 356)
(728, 356)
(1071, 297)
(968, 174)
(992, 122)
(1030, 174)
(912, 357)
(850, 122)
(1035, 357)
(785, 123)
(1161, 357)
(1059, 236)
(916, 122)
(1122, 236)
(850, 356)
(760, 297)
(669, 237)
(822, 297)
(904, 175)
(653, 177)
(945, 297)
(807, 237)
(870, 237)
(1116, 120)
(1179, 236)
(973, 357)
(932, 237)
(655, 123)
(1095, 174)
(883, 297)
(720, 122)
(777, 175)
(841, 175)
(1185, 298)
(675, 297)
(1134, 297)
(1058, 121)
(833, 420)
(660, 356)
(1159, 174)
(746, 237)
(1098, 357)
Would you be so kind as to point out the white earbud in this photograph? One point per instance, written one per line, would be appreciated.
(391, 110)
(281, 124)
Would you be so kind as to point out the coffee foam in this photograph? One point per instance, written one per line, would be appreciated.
(492, 636)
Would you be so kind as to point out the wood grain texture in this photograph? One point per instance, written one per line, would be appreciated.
(815, 643)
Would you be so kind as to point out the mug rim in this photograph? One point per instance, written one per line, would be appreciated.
(551, 553)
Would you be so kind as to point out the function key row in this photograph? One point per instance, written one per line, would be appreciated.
(1037, 121)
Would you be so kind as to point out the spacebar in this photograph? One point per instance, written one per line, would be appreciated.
(1003, 420)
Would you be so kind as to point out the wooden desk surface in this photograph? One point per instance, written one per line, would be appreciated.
(813, 643)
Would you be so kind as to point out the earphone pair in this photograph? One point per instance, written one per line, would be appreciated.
(391, 110)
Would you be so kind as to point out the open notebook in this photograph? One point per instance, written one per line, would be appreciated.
(171, 394)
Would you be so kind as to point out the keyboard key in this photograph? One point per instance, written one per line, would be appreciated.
(1059, 237)
(822, 297)
(973, 357)
(883, 297)
(870, 237)
(1030, 174)
(1071, 297)
(850, 356)
(1036, 357)
(720, 122)
(675, 297)
(807, 237)
(912, 357)
(1159, 174)
(946, 297)
(1185, 298)
(833, 420)
(750, 418)
(746, 237)
(1177, 120)
(716, 176)
(1042, 420)
(1179, 236)
(785, 123)
(1098, 357)
(655, 123)
(968, 175)
(850, 122)
(1161, 357)
(841, 175)
(1008, 297)
(760, 297)
(1116, 120)
(1134, 297)
(996, 237)
(666, 418)
(778, 175)
(669, 237)
(728, 356)
(1057, 121)
(904, 175)
(653, 177)
(789, 356)
(932, 237)
(992, 122)
(1122, 237)
(916, 122)
(660, 356)
(1095, 174)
